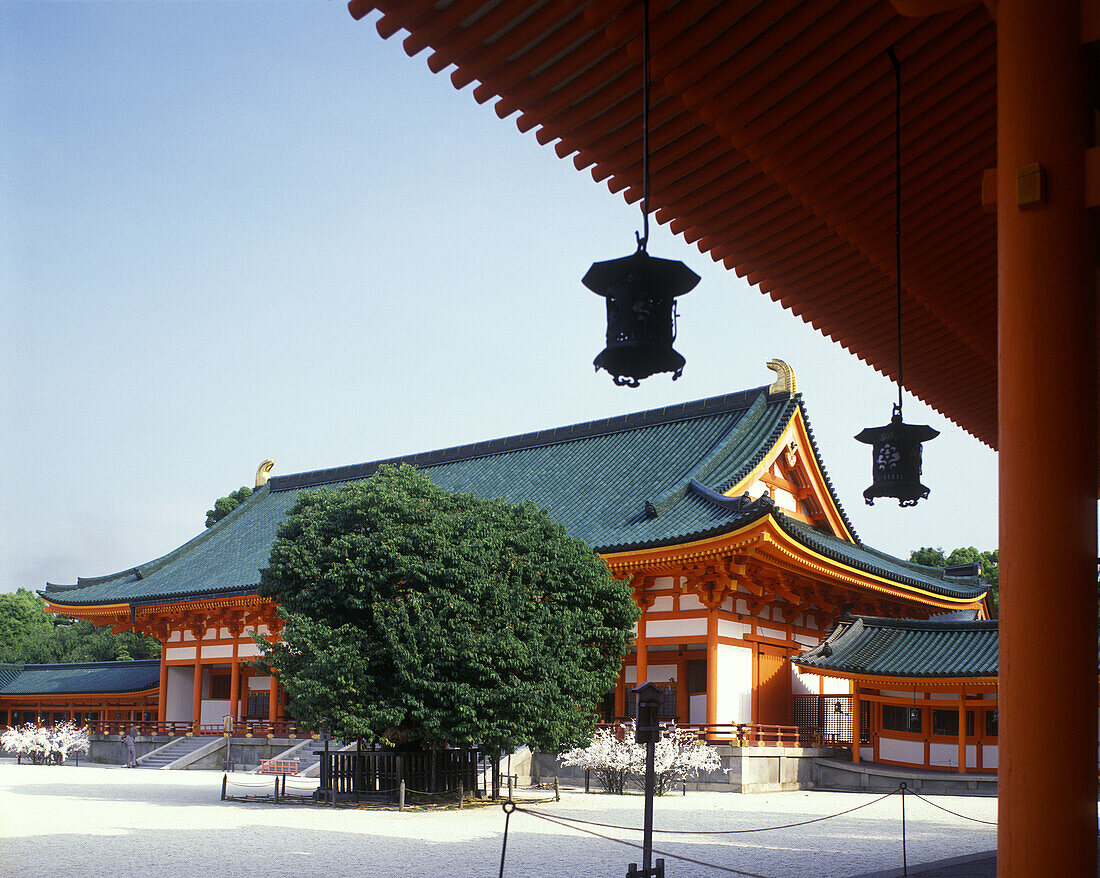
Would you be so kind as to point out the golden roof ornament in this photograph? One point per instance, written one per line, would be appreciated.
(263, 473)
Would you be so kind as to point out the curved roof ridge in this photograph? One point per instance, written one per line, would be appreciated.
(142, 571)
(932, 624)
(875, 561)
(723, 449)
(553, 436)
(824, 472)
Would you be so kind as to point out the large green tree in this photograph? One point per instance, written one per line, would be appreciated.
(224, 505)
(416, 615)
(987, 562)
(30, 635)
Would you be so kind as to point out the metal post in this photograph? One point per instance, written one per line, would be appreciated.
(587, 772)
(557, 791)
(461, 794)
(225, 780)
(647, 827)
(904, 859)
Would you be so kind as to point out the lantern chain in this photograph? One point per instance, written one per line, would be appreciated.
(897, 206)
(643, 238)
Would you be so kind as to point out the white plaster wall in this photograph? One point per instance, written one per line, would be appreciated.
(188, 637)
(180, 686)
(803, 684)
(663, 582)
(662, 604)
(734, 684)
(630, 676)
(894, 750)
(727, 605)
(247, 650)
(173, 637)
(771, 632)
(866, 754)
(212, 712)
(697, 708)
(676, 628)
(221, 650)
(972, 755)
(989, 756)
(943, 754)
(690, 602)
(835, 686)
(210, 634)
(729, 628)
(806, 639)
(660, 673)
(176, 653)
(259, 684)
(943, 696)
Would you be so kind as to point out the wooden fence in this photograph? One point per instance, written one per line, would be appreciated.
(376, 773)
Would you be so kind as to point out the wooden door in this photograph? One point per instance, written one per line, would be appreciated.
(771, 692)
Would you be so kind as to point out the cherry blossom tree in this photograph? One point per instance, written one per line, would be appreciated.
(617, 759)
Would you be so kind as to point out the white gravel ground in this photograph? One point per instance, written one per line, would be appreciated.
(95, 820)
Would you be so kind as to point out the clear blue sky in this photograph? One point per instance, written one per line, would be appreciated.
(241, 230)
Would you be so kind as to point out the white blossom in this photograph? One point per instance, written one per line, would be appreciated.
(45, 744)
(615, 757)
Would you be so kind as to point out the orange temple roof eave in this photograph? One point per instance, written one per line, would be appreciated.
(886, 681)
(473, 45)
(766, 532)
(148, 692)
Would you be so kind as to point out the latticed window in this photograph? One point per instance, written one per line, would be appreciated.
(257, 705)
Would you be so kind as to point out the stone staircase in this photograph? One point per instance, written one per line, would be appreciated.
(175, 750)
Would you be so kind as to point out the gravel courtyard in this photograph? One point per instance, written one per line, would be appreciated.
(95, 820)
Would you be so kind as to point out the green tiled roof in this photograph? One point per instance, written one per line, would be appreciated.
(73, 679)
(649, 479)
(873, 647)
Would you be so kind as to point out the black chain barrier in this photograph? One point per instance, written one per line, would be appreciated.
(580, 825)
(716, 831)
(949, 811)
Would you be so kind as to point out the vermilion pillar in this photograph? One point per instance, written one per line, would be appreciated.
(855, 720)
(162, 694)
(1048, 445)
(712, 663)
(642, 661)
(196, 693)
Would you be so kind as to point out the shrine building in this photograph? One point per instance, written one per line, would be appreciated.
(719, 512)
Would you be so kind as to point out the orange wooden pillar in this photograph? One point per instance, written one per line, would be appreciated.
(855, 721)
(962, 732)
(273, 699)
(196, 690)
(235, 675)
(642, 661)
(1048, 445)
(162, 693)
(712, 662)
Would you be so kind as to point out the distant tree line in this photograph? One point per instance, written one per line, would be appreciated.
(987, 563)
(30, 635)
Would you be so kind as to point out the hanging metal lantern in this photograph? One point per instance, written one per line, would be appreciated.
(896, 467)
(640, 290)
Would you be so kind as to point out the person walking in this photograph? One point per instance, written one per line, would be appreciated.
(131, 753)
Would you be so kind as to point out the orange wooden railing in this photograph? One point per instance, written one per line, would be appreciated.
(741, 734)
